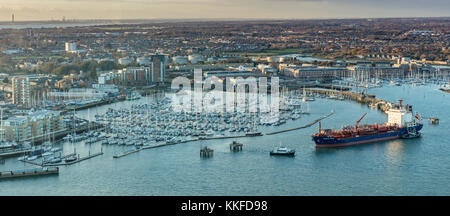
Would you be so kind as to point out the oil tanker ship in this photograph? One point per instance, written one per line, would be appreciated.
(401, 124)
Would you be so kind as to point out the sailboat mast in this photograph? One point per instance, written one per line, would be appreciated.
(1, 124)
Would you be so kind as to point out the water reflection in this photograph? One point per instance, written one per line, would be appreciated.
(394, 151)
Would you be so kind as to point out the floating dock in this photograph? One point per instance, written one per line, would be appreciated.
(76, 161)
(79, 159)
(126, 153)
(29, 172)
(221, 137)
(9, 153)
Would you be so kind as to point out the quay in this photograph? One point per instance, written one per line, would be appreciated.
(89, 105)
(322, 86)
(29, 172)
(368, 99)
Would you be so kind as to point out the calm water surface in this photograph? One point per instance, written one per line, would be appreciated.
(399, 167)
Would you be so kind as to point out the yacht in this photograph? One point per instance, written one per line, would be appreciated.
(133, 96)
(71, 159)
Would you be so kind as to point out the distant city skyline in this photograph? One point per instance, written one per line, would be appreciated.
(29, 10)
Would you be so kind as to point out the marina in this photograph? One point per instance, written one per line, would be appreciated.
(299, 102)
(132, 145)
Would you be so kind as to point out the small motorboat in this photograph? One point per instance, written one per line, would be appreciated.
(283, 151)
(46, 154)
(31, 158)
(56, 149)
(55, 160)
(71, 159)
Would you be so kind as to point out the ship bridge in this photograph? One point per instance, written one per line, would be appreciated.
(399, 117)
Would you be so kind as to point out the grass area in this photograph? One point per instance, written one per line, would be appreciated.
(268, 52)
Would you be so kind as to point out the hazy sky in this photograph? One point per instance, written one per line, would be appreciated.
(148, 9)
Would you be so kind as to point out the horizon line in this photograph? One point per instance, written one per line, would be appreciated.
(68, 20)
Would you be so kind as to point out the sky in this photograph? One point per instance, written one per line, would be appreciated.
(26, 10)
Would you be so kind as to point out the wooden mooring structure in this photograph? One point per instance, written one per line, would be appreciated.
(236, 146)
(206, 152)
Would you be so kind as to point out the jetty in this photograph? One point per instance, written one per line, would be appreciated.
(222, 137)
(29, 172)
(79, 159)
(14, 152)
(126, 153)
(305, 126)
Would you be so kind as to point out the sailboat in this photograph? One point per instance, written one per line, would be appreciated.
(254, 131)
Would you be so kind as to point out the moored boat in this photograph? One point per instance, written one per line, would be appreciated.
(400, 123)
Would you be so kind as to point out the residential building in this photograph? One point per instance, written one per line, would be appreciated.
(21, 91)
(158, 67)
(38, 124)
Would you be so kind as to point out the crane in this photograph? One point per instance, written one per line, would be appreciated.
(357, 122)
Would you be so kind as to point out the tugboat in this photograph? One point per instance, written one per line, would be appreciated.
(282, 151)
(411, 134)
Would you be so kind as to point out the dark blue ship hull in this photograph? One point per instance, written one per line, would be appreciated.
(329, 141)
